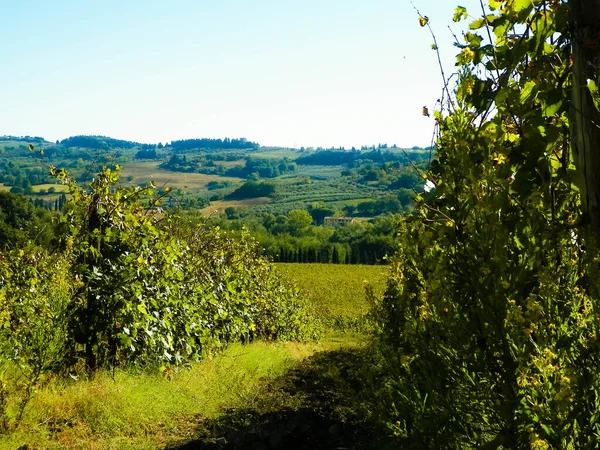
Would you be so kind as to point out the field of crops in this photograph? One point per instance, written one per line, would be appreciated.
(316, 172)
(336, 290)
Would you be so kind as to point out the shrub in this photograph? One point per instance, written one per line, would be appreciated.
(36, 291)
(152, 292)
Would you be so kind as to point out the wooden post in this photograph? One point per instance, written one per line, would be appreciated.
(584, 117)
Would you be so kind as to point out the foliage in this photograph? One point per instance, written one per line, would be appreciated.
(292, 238)
(352, 158)
(102, 143)
(36, 291)
(263, 167)
(162, 293)
(21, 222)
(125, 288)
(206, 143)
(488, 329)
(253, 189)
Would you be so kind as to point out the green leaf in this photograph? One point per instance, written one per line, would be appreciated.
(593, 87)
(527, 91)
(519, 5)
(554, 101)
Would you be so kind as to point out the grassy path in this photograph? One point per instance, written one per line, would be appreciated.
(314, 406)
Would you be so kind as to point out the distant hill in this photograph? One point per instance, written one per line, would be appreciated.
(103, 143)
(28, 139)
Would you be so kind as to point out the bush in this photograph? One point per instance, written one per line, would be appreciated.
(488, 330)
(36, 292)
(161, 294)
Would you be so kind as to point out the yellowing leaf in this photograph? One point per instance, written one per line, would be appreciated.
(460, 12)
(423, 20)
(495, 4)
(466, 56)
(476, 24)
(518, 6)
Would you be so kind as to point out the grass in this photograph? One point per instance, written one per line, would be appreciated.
(338, 291)
(145, 171)
(229, 164)
(316, 172)
(59, 188)
(149, 411)
(276, 153)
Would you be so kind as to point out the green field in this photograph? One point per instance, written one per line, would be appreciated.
(336, 290)
(276, 153)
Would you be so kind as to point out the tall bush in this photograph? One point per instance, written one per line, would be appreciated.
(36, 291)
(488, 330)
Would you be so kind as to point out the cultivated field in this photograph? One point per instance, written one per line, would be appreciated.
(145, 171)
(59, 188)
(336, 290)
(221, 205)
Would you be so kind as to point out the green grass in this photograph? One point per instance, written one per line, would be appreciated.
(150, 411)
(222, 205)
(276, 153)
(316, 172)
(229, 164)
(337, 291)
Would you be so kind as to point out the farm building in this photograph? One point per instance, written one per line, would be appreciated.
(337, 221)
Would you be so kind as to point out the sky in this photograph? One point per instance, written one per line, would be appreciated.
(285, 73)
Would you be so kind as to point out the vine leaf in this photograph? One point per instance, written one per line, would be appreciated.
(593, 87)
(423, 20)
(495, 4)
(460, 13)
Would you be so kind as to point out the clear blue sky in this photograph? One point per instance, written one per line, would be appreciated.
(279, 72)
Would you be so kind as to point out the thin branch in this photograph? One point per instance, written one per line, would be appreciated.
(439, 58)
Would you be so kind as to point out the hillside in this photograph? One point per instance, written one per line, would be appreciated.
(202, 171)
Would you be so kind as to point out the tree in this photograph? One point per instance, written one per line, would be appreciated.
(298, 220)
(319, 211)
